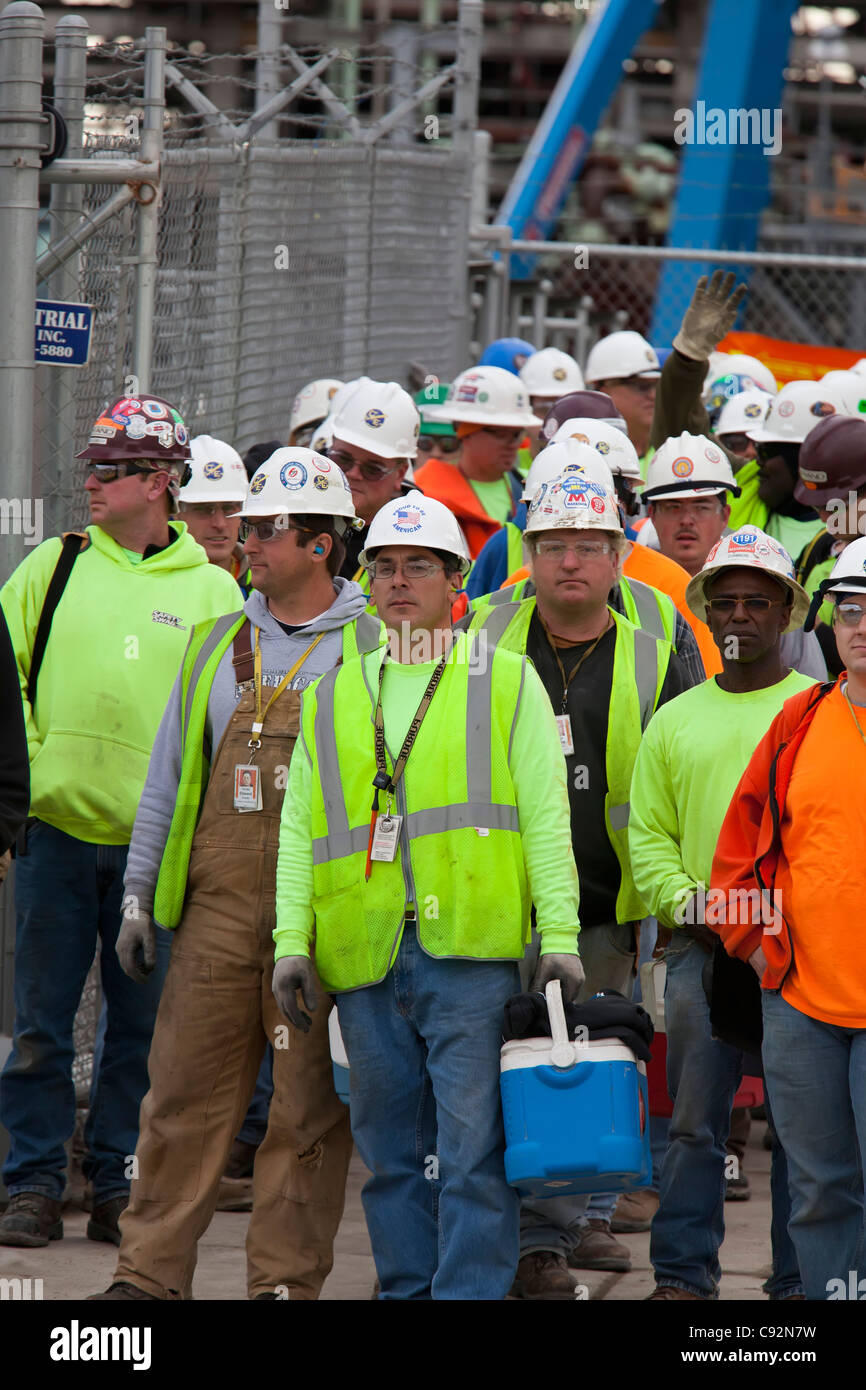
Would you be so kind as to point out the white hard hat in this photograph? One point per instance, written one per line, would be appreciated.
(849, 387)
(620, 355)
(415, 519)
(217, 472)
(687, 465)
(313, 402)
(742, 412)
(550, 374)
(379, 416)
(748, 548)
(572, 502)
(742, 364)
(608, 440)
(796, 410)
(486, 396)
(567, 456)
(849, 571)
(295, 480)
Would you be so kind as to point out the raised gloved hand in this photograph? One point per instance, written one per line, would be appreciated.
(138, 931)
(711, 314)
(567, 969)
(292, 973)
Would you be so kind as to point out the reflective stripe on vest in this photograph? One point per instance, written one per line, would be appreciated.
(646, 672)
(227, 625)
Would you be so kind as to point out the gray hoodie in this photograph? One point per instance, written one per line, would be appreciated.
(280, 650)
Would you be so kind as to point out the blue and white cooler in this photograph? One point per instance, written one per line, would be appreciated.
(339, 1060)
(575, 1112)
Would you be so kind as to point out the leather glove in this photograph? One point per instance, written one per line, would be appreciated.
(290, 974)
(567, 969)
(710, 315)
(137, 932)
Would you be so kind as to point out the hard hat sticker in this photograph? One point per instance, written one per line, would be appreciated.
(752, 411)
(293, 476)
(597, 504)
(682, 467)
(408, 519)
(822, 408)
(321, 482)
(258, 483)
(213, 470)
(786, 408)
(374, 418)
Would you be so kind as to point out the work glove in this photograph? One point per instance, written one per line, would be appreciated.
(711, 314)
(137, 932)
(292, 973)
(567, 969)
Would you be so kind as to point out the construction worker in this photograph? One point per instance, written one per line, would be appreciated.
(548, 375)
(421, 917)
(604, 678)
(212, 488)
(791, 847)
(122, 599)
(438, 438)
(373, 439)
(742, 412)
(643, 604)
(202, 862)
(688, 765)
(490, 408)
(502, 553)
(832, 469)
(311, 406)
(626, 368)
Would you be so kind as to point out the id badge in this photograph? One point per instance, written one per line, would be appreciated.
(385, 838)
(563, 724)
(248, 790)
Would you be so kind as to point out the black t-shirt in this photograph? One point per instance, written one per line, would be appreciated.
(586, 768)
(354, 542)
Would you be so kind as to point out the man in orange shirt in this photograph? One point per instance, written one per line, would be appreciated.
(490, 410)
(796, 830)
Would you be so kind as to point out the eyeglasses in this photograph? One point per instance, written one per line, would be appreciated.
(710, 507)
(411, 569)
(264, 530)
(645, 385)
(372, 472)
(850, 614)
(552, 549)
(110, 472)
(738, 443)
(437, 444)
(754, 606)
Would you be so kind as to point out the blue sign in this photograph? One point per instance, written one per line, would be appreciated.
(63, 333)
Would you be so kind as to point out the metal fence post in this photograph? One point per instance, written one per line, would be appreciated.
(268, 36)
(470, 21)
(148, 212)
(67, 200)
(21, 137)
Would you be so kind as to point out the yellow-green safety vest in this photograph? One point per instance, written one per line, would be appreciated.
(645, 606)
(460, 854)
(207, 645)
(640, 665)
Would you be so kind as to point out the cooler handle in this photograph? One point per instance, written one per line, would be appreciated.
(563, 1052)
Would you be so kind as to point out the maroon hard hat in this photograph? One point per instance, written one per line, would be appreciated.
(585, 405)
(832, 460)
(138, 427)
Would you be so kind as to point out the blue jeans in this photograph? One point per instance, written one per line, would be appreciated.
(255, 1124)
(68, 893)
(816, 1078)
(433, 1025)
(703, 1078)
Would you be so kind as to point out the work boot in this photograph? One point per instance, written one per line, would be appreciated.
(543, 1275)
(236, 1184)
(597, 1249)
(634, 1211)
(31, 1219)
(103, 1220)
(737, 1189)
(121, 1292)
(665, 1292)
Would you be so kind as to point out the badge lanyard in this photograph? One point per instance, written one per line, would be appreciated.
(387, 834)
(255, 742)
(857, 723)
(563, 719)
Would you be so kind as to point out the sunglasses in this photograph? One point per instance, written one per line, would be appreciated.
(264, 530)
(372, 472)
(754, 606)
(438, 443)
(110, 472)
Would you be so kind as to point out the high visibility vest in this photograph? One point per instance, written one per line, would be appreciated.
(640, 664)
(207, 645)
(645, 606)
(514, 547)
(460, 855)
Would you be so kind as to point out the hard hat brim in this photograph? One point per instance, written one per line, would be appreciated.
(673, 491)
(468, 416)
(460, 563)
(764, 436)
(366, 441)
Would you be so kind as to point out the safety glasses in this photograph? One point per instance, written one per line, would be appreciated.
(755, 607)
(850, 614)
(411, 569)
(264, 530)
(111, 472)
(443, 444)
